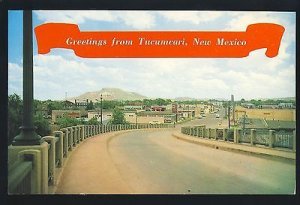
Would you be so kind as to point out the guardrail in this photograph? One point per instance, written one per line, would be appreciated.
(33, 175)
(270, 138)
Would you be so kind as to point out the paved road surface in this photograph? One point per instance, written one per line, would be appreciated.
(154, 162)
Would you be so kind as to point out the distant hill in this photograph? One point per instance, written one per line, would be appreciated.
(283, 98)
(184, 99)
(109, 94)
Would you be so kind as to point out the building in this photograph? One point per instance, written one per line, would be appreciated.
(56, 114)
(158, 108)
(133, 107)
(97, 115)
(266, 113)
(286, 105)
(150, 117)
(248, 105)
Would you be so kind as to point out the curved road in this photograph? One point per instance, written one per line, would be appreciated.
(154, 162)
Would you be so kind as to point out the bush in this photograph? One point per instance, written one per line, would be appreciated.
(93, 121)
(42, 124)
(67, 122)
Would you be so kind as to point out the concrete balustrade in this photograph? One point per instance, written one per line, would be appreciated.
(237, 134)
(51, 154)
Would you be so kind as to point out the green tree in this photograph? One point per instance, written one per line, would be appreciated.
(42, 125)
(54, 105)
(15, 110)
(90, 106)
(93, 121)
(118, 117)
(15, 114)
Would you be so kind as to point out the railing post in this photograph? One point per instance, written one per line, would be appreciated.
(224, 133)
(51, 158)
(236, 135)
(74, 136)
(253, 136)
(271, 138)
(209, 133)
(82, 132)
(77, 135)
(70, 139)
(65, 142)
(39, 173)
(59, 148)
(214, 133)
(294, 141)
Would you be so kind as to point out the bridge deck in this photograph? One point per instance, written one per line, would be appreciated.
(156, 162)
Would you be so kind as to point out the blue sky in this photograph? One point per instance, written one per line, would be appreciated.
(60, 71)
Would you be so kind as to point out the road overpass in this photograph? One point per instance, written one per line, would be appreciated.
(154, 162)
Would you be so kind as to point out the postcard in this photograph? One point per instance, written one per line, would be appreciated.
(151, 102)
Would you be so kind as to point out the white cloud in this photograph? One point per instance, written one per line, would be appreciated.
(254, 76)
(78, 17)
(193, 17)
(15, 79)
(133, 19)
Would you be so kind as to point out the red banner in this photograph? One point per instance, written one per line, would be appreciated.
(159, 44)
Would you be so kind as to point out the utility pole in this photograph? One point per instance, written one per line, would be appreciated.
(244, 122)
(101, 108)
(27, 136)
(228, 115)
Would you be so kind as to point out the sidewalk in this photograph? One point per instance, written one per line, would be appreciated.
(242, 148)
(90, 169)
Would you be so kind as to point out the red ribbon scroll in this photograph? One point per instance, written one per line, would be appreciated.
(159, 44)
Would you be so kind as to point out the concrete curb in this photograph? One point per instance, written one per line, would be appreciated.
(284, 156)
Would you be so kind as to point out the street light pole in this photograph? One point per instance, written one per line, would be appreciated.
(27, 136)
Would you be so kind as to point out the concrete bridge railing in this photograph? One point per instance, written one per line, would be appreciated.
(271, 138)
(33, 169)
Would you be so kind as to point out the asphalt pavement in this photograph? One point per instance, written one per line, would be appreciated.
(154, 162)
